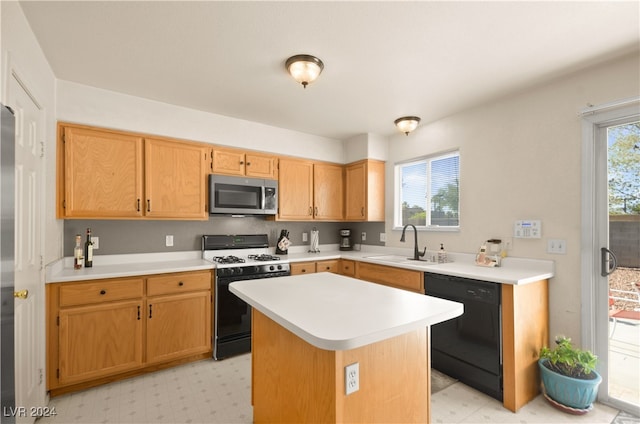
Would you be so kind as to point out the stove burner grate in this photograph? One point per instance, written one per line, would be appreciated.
(228, 259)
(264, 257)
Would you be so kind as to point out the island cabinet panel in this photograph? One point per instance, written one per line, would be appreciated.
(391, 276)
(104, 330)
(525, 329)
(394, 379)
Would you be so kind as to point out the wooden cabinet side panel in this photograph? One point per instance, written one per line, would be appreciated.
(279, 359)
(99, 340)
(178, 325)
(102, 174)
(375, 190)
(328, 196)
(391, 276)
(175, 180)
(525, 329)
(296, 190)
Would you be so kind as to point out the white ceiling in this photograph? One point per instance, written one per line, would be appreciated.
(382, 60)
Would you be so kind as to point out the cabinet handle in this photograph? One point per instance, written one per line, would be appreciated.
(150, 306)
(103, 291)
(241, 162)
(310, 210)
(328, 268)
(362, 211)
(181, 284)
(138, 205)
(138, 312)
(316, 211)
(248, 163)
(148, 205)
(303, 270)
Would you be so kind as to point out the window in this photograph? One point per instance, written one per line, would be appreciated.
(428, 192)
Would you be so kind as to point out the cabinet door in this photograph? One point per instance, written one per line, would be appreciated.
(229, 162)
(328, 196)
(355, 192)
(296, 190)
(328, 266)
(364, 191)
(260, 166)
(347, 267)
(175, 180)
(178, 326)
(303, 268)
(100, 340)
(102, 174)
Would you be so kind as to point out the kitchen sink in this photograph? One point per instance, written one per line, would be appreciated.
(398, 259)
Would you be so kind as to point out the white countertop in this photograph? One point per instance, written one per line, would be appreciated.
(335, 312)
(113, 266)
(513, 270)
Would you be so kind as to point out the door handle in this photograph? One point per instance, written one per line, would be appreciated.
(607, 266)
(22, 294)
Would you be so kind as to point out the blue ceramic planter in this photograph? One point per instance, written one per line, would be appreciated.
(572, 392)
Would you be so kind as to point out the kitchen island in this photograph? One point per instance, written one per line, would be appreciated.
(307, 329)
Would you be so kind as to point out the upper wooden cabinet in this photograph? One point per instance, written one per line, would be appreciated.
(115, 175)
(364, 191)
(310, 191)
(249, 164)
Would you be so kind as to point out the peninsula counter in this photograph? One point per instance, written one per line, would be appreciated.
(308, 328)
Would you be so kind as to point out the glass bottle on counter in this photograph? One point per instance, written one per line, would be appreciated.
(88, 250)
(77, 253)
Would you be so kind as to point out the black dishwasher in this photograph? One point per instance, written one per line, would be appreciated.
(469, 347)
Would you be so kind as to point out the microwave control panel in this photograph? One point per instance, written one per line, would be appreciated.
(527, 229)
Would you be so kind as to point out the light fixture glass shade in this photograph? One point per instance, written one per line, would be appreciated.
(304, 68)
(406, 124)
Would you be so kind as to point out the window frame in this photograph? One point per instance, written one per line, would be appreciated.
(397, 189)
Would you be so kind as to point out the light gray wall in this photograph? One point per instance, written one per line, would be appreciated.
(146, 236)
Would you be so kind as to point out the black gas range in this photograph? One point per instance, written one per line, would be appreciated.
(237, 257)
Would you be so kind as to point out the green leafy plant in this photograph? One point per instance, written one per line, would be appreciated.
(567, 360)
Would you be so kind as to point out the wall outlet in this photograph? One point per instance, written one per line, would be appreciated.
(383, 237)
(556, 246)
(305, 237)
(352, 378)
(96, 242)
(363, 236)
(168, 241)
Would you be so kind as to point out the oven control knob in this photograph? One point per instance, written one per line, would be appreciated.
(271, 268)
(239, 271)
(279, 267)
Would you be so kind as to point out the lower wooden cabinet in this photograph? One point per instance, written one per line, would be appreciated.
(102, 330)
(331, 265)
(391, 276)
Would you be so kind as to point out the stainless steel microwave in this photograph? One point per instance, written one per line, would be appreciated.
(242, 196)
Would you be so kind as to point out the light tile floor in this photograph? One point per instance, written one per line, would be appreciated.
(220, 392)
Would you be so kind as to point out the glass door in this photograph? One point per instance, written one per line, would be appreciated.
(620, 262)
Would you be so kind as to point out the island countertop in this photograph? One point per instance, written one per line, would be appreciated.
(334, 312)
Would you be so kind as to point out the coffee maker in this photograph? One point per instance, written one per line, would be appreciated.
(345, 239)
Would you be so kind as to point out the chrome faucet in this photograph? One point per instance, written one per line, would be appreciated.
(416, 253)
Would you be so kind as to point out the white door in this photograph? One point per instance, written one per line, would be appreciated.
(29, 311)
(610, 195)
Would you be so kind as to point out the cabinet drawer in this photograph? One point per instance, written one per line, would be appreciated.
(391, 276)
(179, 283)
(303, 268)
(327, 266)
(97, 291)
(347, 267)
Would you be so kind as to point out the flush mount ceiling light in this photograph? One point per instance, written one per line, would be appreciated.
(406, 124)
(304, 68)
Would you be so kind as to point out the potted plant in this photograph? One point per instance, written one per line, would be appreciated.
(569, 374)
